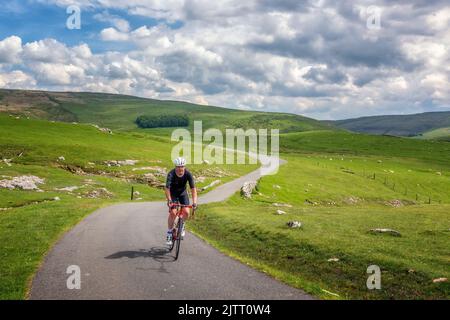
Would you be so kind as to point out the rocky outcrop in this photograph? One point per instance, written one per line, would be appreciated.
(159, 171)
(119, 163)
(247, 189)
(22, 182)
(98, 193)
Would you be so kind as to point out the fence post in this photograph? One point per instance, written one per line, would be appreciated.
(132, 193)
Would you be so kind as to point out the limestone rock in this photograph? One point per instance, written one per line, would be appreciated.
(294, 224)
(282, 205)
(68, 189)
(212, 184)
(22, 182)
(247, 189)
(392, 232)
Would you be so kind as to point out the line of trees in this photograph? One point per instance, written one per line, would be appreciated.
(175, 120)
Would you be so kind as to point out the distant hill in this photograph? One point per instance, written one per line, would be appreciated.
(119, 112)
(436, 134)
(397, 125)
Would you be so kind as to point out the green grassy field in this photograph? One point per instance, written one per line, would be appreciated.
(338, 184)
(329, 183)
(31, 221)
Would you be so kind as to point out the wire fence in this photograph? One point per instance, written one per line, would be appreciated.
(387, 181)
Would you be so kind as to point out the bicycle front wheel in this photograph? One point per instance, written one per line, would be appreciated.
(178, 241)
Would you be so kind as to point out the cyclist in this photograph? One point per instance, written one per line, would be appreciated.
(176, 192)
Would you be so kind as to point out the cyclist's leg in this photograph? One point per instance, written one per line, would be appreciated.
(184, 199)
(172, 213)
(171, 219)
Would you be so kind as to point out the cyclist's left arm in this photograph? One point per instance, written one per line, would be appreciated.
(194, 195)
(193, 188)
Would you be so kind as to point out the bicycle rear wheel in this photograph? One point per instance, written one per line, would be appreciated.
(178, 240)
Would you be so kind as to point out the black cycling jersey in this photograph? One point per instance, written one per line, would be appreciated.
(176, 184)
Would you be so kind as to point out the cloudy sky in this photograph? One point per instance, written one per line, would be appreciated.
(318, 58)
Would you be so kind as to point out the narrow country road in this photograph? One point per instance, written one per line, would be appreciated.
(122, 254)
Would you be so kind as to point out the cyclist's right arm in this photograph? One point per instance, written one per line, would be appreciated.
(167, 191)
(167, 188)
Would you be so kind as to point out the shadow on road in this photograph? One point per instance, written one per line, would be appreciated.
(160, 254)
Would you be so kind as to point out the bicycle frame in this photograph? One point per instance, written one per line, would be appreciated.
(178, 226)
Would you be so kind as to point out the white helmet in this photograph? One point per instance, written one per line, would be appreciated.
(180, 162)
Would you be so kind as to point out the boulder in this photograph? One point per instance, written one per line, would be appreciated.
(391, 232)
(294, 224)
(247, 189)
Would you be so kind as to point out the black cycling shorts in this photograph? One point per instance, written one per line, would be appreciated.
(182, 198)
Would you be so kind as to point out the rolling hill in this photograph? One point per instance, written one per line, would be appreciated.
(118, 112)
(397, 125)
(436, 134)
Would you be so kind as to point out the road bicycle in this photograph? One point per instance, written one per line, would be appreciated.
(178, 227)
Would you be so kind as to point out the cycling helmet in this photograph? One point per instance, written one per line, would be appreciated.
(180, 162)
